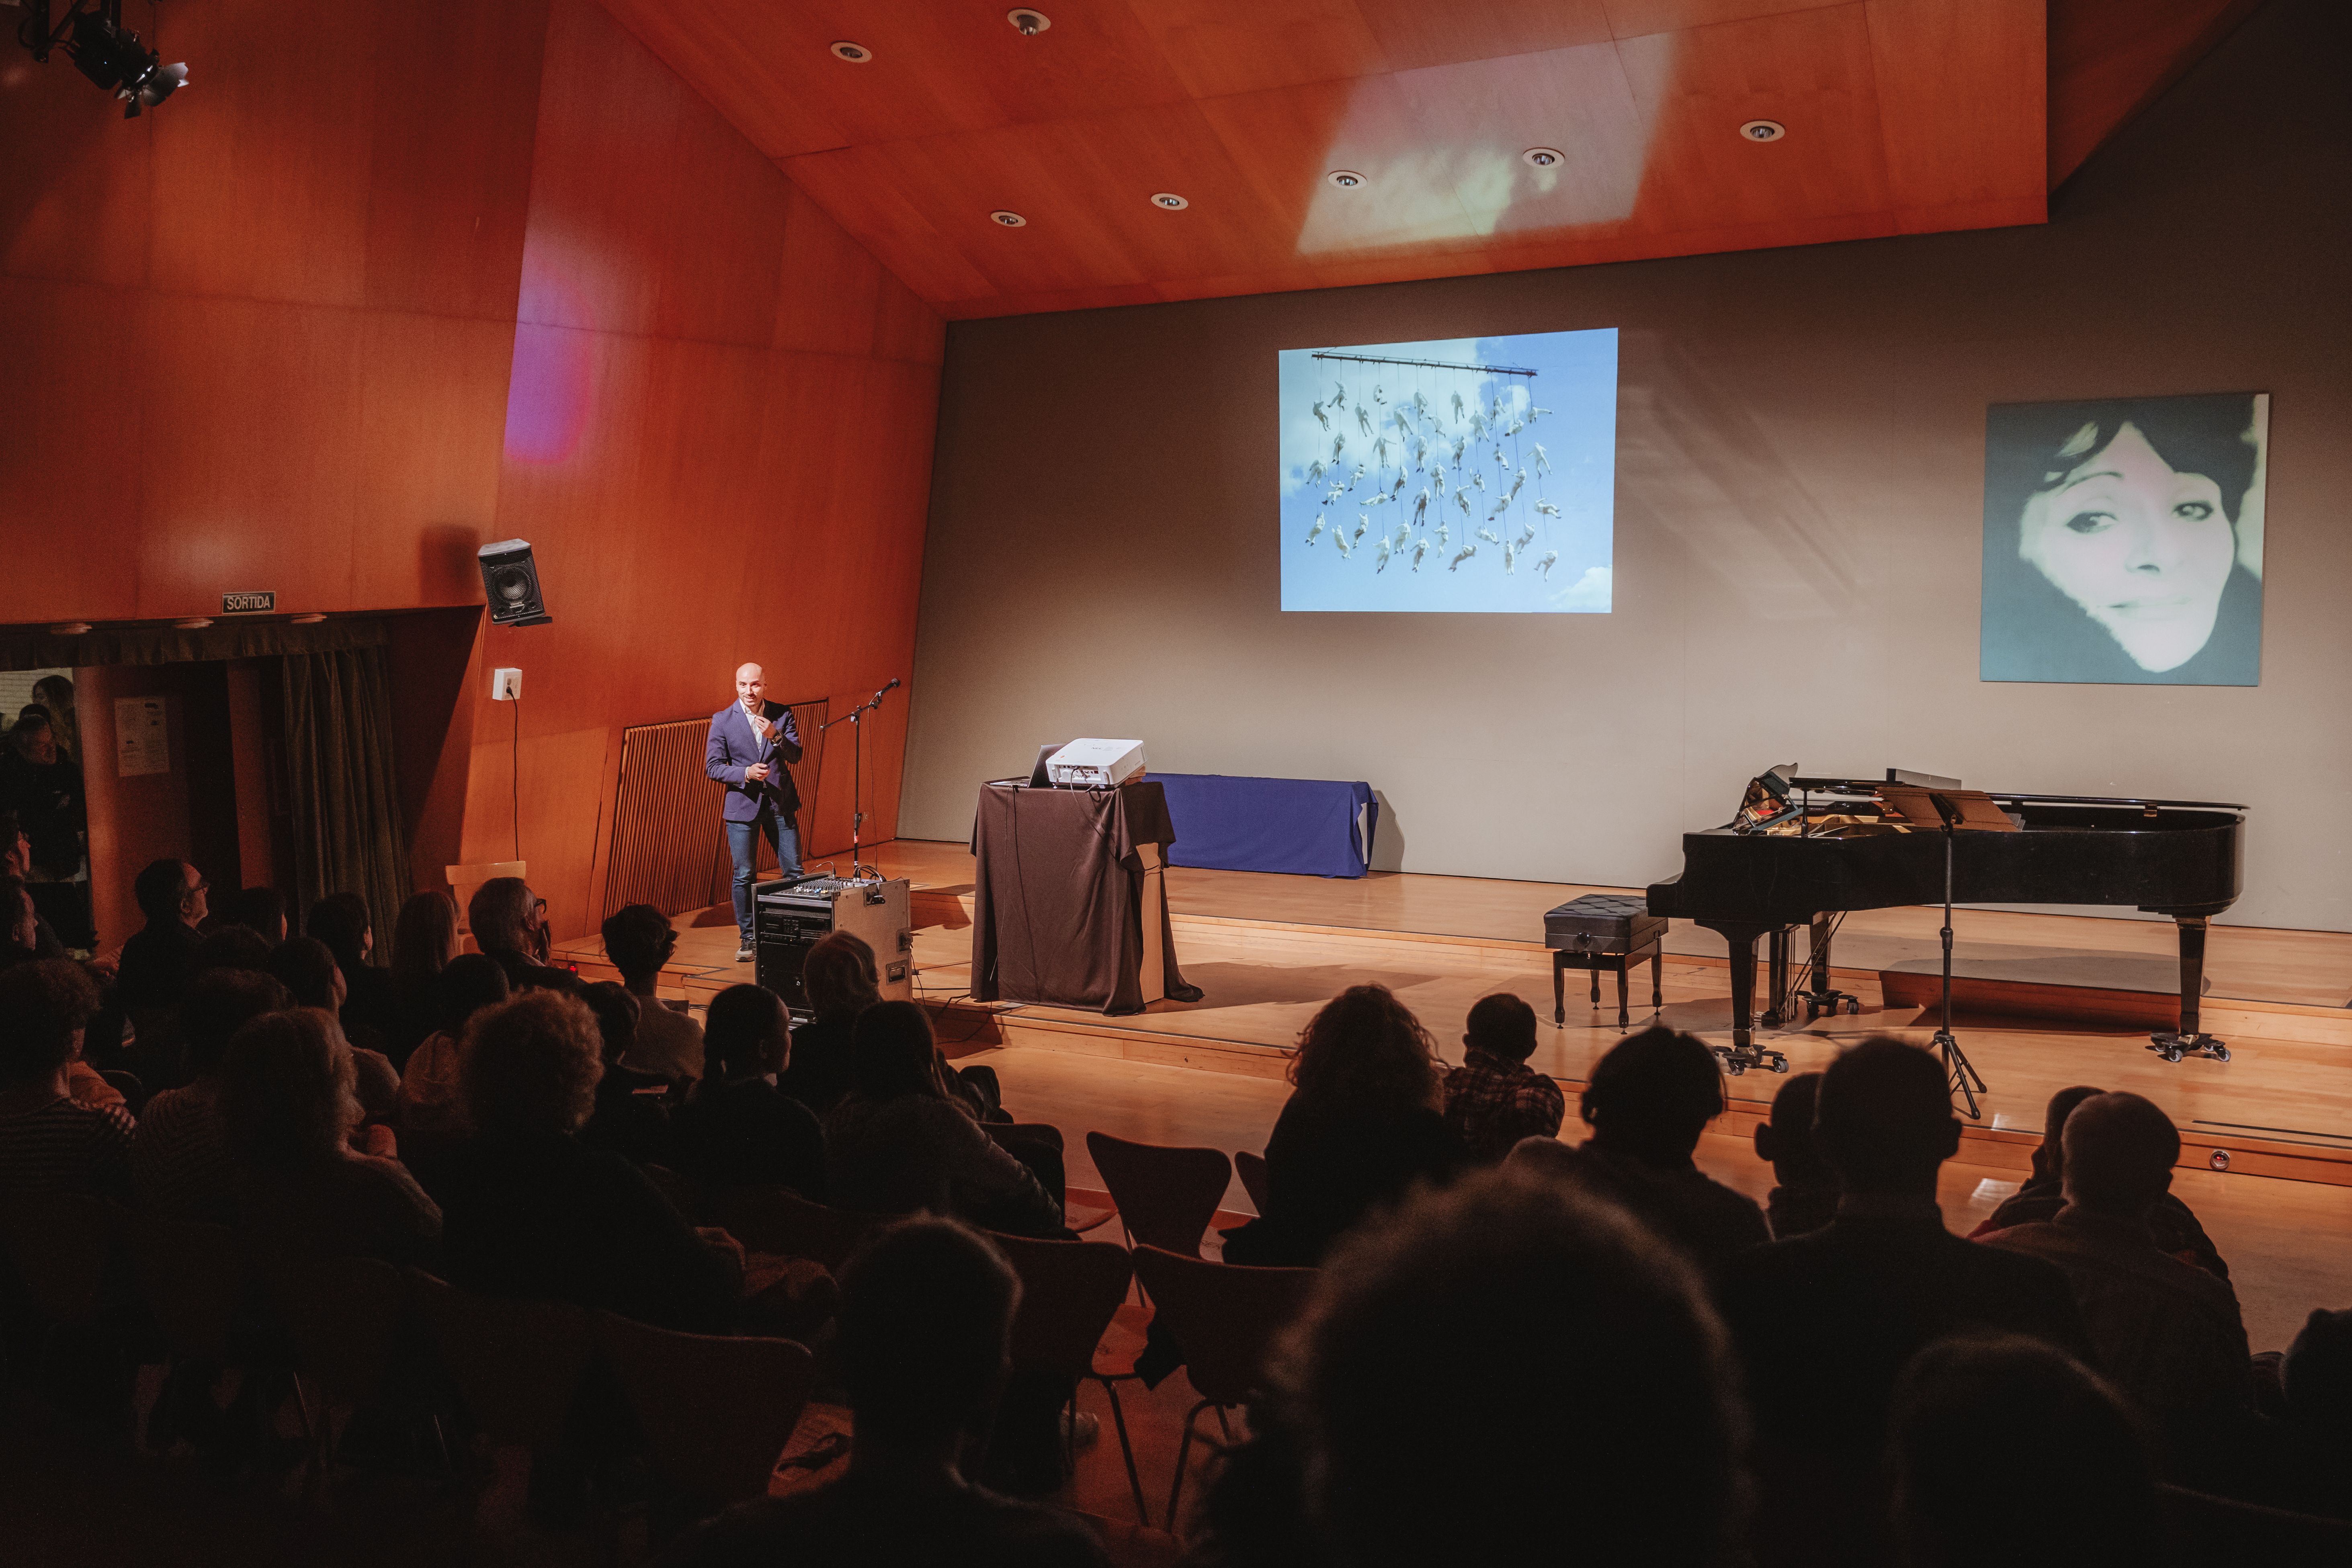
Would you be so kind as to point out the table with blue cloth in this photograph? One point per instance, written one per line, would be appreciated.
(1308, 827)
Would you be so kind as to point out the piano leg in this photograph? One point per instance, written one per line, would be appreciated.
(1823, 997)
(1743, 1052)
(1775, 969)
(2190, 1039)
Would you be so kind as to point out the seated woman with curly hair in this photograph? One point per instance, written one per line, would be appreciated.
(1365, 1120)
(288, 1099)
(535, 1213)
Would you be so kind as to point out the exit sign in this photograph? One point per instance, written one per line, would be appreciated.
(247, 604)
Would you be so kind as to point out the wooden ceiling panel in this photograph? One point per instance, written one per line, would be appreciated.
(1902, 116)
(1216, 47)
(1809, 69)
(1416, 33)
(1968, 131)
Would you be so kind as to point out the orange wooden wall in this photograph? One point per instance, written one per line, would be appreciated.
(265, 337)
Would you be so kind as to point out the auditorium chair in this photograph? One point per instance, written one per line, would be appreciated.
(1073, 1319)
(344, 1318)
(204, 1297)
(2222, 1533)
(57, 1245)
(1251, 1169)
(517, 1365)
(717, 1412)
(684, 1193)
(1224, 1317)
(1166, 1197)
(776, 1219)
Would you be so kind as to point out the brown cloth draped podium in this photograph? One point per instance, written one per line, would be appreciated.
(1058, 896)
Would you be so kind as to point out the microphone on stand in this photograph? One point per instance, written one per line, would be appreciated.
(884, 692)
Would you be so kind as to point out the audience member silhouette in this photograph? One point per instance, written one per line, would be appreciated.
(898, 1144)
(924, 1351)
(16, 864)
(2316, 1384)
(50, 1141)
(1576, 1384)
(1494, 1098)
(842, 983)
(286, 1100)
(261, 911)
(1804, 1189)
(2007, 1453)
(307, 967)
(534, 1212)
(631, 1118)
(1648, 1101)
(155, 963)
(430, 1099)
(638, 940)
(423, 941)
(20, 931)
(181, 1161)
(1825, 1321)
(230, 947)
(2166, 1333)
(509, 923)
(1363, 1123)
(2169, 1220)
(737, 1128)
(371, 1006)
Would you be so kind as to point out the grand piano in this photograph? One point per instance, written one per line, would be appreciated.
(1803, 850)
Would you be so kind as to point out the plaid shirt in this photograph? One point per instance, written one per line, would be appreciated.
(1491, 1104)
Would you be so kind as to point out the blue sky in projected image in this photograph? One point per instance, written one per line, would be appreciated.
(1561, 509)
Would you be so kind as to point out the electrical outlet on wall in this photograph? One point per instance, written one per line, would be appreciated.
(506, 686)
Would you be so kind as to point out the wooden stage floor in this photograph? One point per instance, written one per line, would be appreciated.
(1267, 950)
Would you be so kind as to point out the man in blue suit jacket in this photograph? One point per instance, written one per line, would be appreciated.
(751, 739)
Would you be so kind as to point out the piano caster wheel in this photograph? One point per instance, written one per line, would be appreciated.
(1854, 1003)
(1733, 1063)
(2172, 1048)
(1779, 1062)
(2171, 1053)
(2221, 1053)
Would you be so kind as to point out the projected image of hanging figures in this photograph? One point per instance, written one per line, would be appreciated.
(1443, 476)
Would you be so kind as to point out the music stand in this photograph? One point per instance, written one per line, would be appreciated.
(1964, 1079)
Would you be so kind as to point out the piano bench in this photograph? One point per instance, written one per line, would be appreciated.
(1603, 931)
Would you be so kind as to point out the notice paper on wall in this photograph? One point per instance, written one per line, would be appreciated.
(141, 742)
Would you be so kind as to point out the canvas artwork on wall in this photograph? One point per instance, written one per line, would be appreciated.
(2123, 541)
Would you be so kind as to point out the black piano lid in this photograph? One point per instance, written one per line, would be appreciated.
(1850, 787)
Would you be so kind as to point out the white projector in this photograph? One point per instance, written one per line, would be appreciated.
(1095, 763)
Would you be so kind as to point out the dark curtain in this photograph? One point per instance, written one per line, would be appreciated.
(344, 789)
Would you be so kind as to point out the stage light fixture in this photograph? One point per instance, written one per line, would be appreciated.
(1008, 219)
(1763, 130)
(104, 50)
(1542, 158)
(1169, 201)
(1028, 22)
(856, 54)
(1345, 179)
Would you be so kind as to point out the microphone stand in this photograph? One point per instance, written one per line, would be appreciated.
(1955, 1062)
(858, 776)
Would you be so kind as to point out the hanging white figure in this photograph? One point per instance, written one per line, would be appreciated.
(1339, 394)
(1517, 480)
(1363, 420)
(1533, 410)
(1354, 477)
(1478, 426)
(1322, 418)
(1445, 535)
(1336, 490)
(1381, 500)
(1490, 536)
(1315, 533)
(1468, 552)
(1315, 472)
(1543, 459)
(1460, 447)
(1544, 566)
(1380, 451)
(1404, 425)
(1421, 506)
(1545, 508)
(1380, 558)
(1517, 425)
(1462, 500)
(1338, 445)
(1340, 540)
(1418, 551)
(1397, 489)
(1405, 536)
(1510, 560)
(1457, 406)
(1476, 478)
(1521, 543)
(1420, 453)
(1437, 480)
(1379, 394)
(1420, 404)
(1363, 526)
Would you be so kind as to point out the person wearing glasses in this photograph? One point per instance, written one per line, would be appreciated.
(510, 924)
(155, 966)
(751, 739)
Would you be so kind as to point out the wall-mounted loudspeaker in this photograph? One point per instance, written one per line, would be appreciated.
(510, 582)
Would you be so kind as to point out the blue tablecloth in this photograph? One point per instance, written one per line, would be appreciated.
(1313, 828)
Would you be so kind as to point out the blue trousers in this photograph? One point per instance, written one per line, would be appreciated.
(743, 846)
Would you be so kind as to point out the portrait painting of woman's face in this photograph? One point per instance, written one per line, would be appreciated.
(2123, 541)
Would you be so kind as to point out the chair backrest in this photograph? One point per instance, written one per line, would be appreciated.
(1222, 1315)
(2202, 1528)
(717, 1412)
(684, 1193)
(195, 1278)
(517, 1363)
(1166, 1197)
(343, 1315)
(1069, 1292)
(1251, 1169)
(776, 1219)
(59, 1243)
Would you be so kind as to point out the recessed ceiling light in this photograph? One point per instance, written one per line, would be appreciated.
(1542, 158)
(1008, 219)
(1169, 200)
(69, 628)
(1345, 179)
(1028, 22)
(309, 619)
(1763, 130)
(193, 624)
(856, 54)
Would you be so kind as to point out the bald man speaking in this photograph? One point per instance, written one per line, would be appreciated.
(751, 739)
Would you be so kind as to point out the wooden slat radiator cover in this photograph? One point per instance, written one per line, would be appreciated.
(668, 849)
